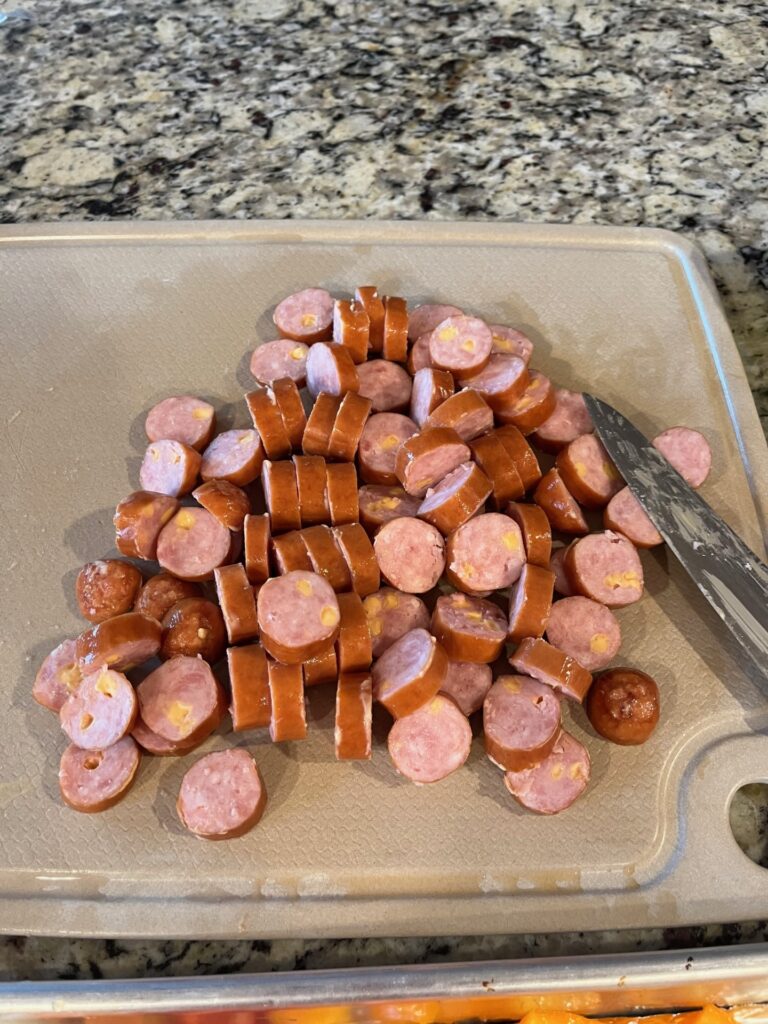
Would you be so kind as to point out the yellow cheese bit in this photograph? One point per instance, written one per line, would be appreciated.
(308, 320)
(391, 601)
(468, 345)
(304, 587)
(502, 343)
(434, 707)
(468, 569)
(70, 676)
(298, 353)
(610, 471)
(576, 771)
(448, 333)
(461, 600)
(329, 616)
(372, 605)
(581, 469)
(374, 627)
(178, 713)
(630, 580)
(493, 624)
(202, 414)
(511, 541)
(202, 633)
(105, 685)
(556, 771)
(163, 518)
(86, 721)
(185, 520)
(389, 442)
(599, 643)
(475, 616)
(511, 686)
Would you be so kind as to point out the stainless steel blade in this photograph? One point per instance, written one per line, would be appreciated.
(726, 571)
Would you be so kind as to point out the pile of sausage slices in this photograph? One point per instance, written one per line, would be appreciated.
(424, 464)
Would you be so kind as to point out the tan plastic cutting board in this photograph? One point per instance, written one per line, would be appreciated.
(97, 322)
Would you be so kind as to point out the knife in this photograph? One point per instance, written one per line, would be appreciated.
(729, 575)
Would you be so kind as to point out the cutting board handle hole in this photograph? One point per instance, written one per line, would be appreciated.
(748, 815)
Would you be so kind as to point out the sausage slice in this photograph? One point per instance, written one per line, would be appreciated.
(624, 514)
(305, 316)
(238, 605)
(569, 420)
(107, 588)
(623, 706)
(556, 782)
(169, 467)
(181, 700)
(330, 370)
(542, 661)
(530, 601)
(193, 544)
(587, 471)
(94, 780)
(607, 568)
(122, 642)
(466, 412)
(461, 344)
(521, 722)
(193, 627)
(235, 455)
(352, 731)
(222, 796)
(181, 418)
(352, 328)
(101, 711)
(458, 497)
(421, 461)
(250, 704)
(431, 388)
(391, 614)
(286, 694)
(298, 616)
(348, 427)
(431, 743)
(411, 554)
(469, 628)
(160, 593)
(537, 535)
(485, 554)
(283, 358)
(586, 630)
(559, 505)
(226, 502)
(409, 673)
(533, 407)
(380, 441)
(386, 384)
(467, 684)
(257, 536)
(687, 451)
(341, 493)
(317, 433)
(58, 676)
(138, 520)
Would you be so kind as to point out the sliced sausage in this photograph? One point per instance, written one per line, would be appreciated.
(687, 451)
(542, 661)
(226, 502)
(381, 439)
(368, 297)
(326, 557)
(330, 370)
(341, 493)
(501, 381)
(521, 454)
(257, 536)
(431, 743)
(311, 485)
(323, 668)
(156, 745)
(290, 553)
(317, 433)
(469, 628)
(411, 554)
(391, 614)
(107, 588)
(354, 651)
(288, 399)
(386, 384)
(485, 554)
(298, 616)
(122, 642)
(169, 467)
(161, 592)
(138, 520)
(424, 459)
(281, 495)
(222, 795)
(282, 358)
(419, 357)
(559, 505)
(556, 782)
(624, 514)
(587, 471)
(395, 345)
(355, 546)
(286, 693)
(58, 676)
(95, 780)
(409, 673)
(238, 605)
(499, 468)
(537, 535)
(623, 706)
(352, 730)
(235, 455)
(569, 421)
(530, 601)
(586, 630)
(427, 317)
(182, 700)
(430, 389)
(521, 722)
(511, 342)
(348, 427)
(269, 423)
(466, 412)
(352, 328)
(193, 544)
(533, 407)
(607, 568)
(380, 504)
(467, 684)
(461, 344)
(305, 316)
(182, 418)
(457, 497)
(557, 566)
(101, 711)
(250, 704)
(193, 627)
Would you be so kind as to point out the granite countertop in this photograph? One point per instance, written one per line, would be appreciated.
(599, 112)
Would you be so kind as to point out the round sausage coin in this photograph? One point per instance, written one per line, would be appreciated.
(160, 593)
(235, 455)
(623, 706)
(624, 514)
(386, 384)
(94, 780)
(410, 673)
(169, 467)
(569, 421)
(485, 554)
(607, 568)
(511, 342)
(101, 711)
(423, 460)
(182, 418)
(426, 317)
(586, 630)
(381, 504)
(687, 451)
(298, 616)
(411, 554)
(107, 588)
(431, 743)
(58, 676)
(391, 614)
(222, 796)
(467, 684)
(181, 700)
(521, 721)
(138, 520)
(469, 628)
(121, 642)
(305, 316)
(282, 358)
(380, 441)
(461, 344)
(193, 544)
(194, 626)
(556, 782)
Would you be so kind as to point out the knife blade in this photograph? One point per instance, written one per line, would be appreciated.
(729, 575)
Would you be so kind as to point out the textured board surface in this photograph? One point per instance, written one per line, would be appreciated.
(99, 322)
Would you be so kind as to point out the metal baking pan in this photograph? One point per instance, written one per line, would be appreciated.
(493, 990)
(99, 321)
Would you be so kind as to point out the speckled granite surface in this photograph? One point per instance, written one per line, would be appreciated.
(598, 112)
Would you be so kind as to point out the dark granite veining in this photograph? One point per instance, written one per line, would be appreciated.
(591, 112)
